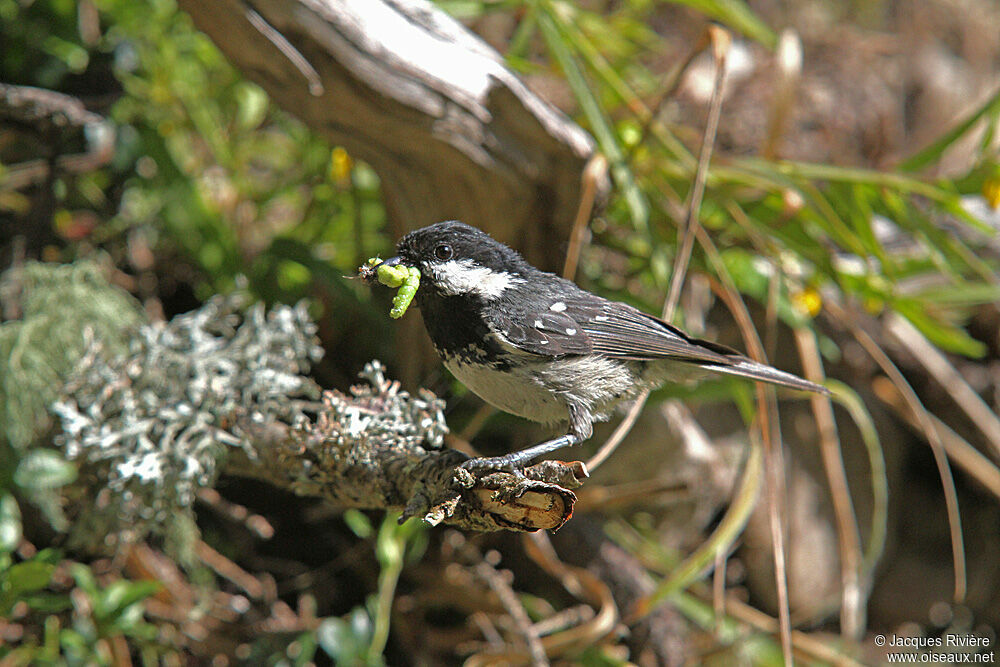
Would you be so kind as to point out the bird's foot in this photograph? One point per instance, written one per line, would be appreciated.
(508, 463)
(516, 461)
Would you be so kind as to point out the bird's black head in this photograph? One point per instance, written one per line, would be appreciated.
(455, 259)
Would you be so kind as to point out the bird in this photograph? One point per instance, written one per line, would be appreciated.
(538, 346)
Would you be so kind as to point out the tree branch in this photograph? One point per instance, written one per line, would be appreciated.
(222, 390)
(375, 469)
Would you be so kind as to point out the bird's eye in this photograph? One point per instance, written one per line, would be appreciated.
(443, 252)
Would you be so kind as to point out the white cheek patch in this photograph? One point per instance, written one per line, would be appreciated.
(464, 276)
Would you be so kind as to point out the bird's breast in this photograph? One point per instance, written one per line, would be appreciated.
(456, 326)
(514, 389)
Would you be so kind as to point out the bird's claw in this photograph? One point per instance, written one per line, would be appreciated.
(482, 464)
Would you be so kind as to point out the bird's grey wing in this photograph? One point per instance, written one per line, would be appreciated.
(587, 324)
(583, 323)
(620, 331)
(544, 333)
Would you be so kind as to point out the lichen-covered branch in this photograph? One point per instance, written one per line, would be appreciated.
(380, 447)
(222, 389)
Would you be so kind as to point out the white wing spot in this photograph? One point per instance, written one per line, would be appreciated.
(571, 332)
(557, 307)
(538, 323)
(601, 318)
(544, 342)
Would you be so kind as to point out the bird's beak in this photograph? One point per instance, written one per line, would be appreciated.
(392, 261)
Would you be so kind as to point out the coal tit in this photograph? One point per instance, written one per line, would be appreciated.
(536, 345)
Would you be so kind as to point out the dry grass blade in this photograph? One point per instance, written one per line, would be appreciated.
(594, 173)
(720, 41)
(852, 609)
(581, 584)
(935, 363)
(286, 48)
(933, 438)
(229, 570)
(967, 457)
(476, 423)
(629, 494)
(671, 83)
(774, 464)
(724, 535)
(719, 586)
(622, 430)
(789, 57)
(802, 641)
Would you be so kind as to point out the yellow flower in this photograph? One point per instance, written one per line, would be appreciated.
(808, 301)
(991, 190)
(340, 167)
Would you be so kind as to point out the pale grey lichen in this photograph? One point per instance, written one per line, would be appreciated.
(407, 420)
(357, 435)
(154, 424)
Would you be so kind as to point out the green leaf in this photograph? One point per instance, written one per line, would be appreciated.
(737, 15)
(753, 276)
(84, 579)
(945, 336)
(44, 469)
(600, 124)
(970, 294)
(346, 641)
(359, 523)
(10, 524)
(26, 577)
(115, 600)
(48, 603)
(252, 105)
(933, 152)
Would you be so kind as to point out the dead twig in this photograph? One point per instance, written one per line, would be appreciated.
(500, 585)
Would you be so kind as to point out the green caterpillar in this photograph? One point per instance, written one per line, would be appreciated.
(406, 278)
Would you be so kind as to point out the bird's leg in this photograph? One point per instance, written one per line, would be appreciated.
(515, 460)
(581, 428)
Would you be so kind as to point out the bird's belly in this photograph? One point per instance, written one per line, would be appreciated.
(542, 391)
(515, 391)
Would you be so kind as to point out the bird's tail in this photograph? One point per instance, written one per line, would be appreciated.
(748, 368)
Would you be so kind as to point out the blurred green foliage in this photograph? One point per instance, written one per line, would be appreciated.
(812, 227)
(359, 637)
(241, 187)
(205, 164)
(99, 615)
(209, 173)
(63, 308)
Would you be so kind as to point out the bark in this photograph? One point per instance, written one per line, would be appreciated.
(390, 474)
(452, 132)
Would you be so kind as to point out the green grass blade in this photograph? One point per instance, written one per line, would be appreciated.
(600, 124)
(934, 152)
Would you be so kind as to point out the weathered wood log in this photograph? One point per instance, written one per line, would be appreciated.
(451, 131)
